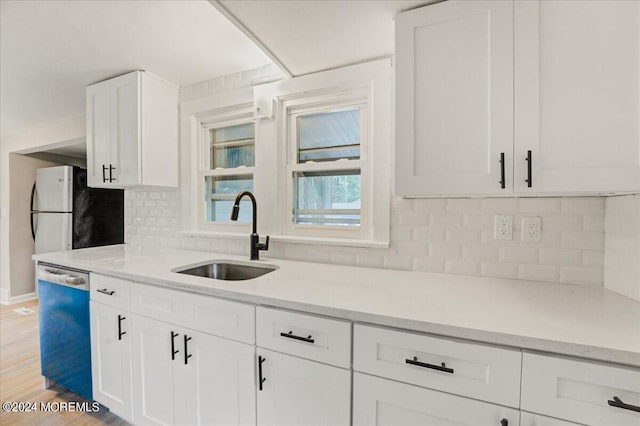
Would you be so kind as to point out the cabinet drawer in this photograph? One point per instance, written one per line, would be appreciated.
(317, 338)
(383, 402)
(482, 372)
(110, 291)
(219, 317)
(579, 391)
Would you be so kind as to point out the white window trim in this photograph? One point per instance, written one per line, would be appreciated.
(328, 86)
(304, 105)
(197, 118)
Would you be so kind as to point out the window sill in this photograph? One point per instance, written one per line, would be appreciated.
(344, 242)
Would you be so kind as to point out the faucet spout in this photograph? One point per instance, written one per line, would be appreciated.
(236, 208)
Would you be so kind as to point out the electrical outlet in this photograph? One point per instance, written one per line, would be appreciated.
(531, 229)
(504, 228)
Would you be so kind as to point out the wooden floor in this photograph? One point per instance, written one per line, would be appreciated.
(20, 379)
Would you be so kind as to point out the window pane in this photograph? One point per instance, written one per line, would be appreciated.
(233, 146)
(327, 198)
(329, 136)
(221, 192)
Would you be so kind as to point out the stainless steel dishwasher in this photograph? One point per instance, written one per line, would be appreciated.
(65, 338)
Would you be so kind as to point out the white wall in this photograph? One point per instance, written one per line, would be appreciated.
(23, 174)
(54, 135)
(622, 245)
(439, 235)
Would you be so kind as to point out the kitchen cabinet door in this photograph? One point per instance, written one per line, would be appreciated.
(384, 402)
(577, 96)
(153, 378)
(113, 131)
(111, 359)
(98, 134)
(299, 392)
(454, 104)
(215, 384)
(125, 92)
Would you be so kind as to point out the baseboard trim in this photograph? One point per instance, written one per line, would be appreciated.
(23, 298)
(5, 296)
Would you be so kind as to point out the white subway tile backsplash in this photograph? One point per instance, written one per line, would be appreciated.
(538, 273)
(428, 264)
(462, 267)
(499, 270)
(581, 275)
(445, 251)
(583, 240)
(463, 204)
(540, 205)
(434, 235)
(583, 205)
(519, 254)
(556, 256)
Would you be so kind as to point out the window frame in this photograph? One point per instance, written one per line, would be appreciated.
(316, 104)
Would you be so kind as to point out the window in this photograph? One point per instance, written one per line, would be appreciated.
(326, 168)
(229, 167)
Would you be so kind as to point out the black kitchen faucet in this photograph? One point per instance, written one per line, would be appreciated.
(254, 239)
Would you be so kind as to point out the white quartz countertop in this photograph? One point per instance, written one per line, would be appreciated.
(574, 320)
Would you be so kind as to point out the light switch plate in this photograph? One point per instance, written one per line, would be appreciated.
(531, 229)
(504, 227)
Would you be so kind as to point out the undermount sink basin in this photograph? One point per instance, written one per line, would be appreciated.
(229, 270)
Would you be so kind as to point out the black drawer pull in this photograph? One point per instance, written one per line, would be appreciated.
(111, 169)
(120, 332)
(105, 291)
(187, 355)
(104, 170)
(617, 402)
(442, 367)
(261, 379)
(503, 181)
(504, 422)
(529, 160)
(290, 335)
(174, 351)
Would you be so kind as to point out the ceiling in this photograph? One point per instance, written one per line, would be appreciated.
(313, 35)
(50, 50)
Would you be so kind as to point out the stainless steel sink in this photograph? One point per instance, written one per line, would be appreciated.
(228, 270)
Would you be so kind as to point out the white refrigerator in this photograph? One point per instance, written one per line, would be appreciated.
(66, 214)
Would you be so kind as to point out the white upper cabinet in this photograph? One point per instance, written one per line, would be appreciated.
(132, 132)
(554, 85)
(454, 88)
(577, 96)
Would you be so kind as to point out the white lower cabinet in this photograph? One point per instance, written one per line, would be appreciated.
(111, 359)
(186, 377)
(530, 419)
(299, 392)
(383, 402)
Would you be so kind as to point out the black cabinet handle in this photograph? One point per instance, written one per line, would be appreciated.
(174, 351)
(187, 355)
(290, 335)
(105, 291)
(529, 172)
(261, 379)
(111, 169)
(618, 403)
(120, 332)
(104, 171)
(442, 367)
(504, 422)
(503, 183)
